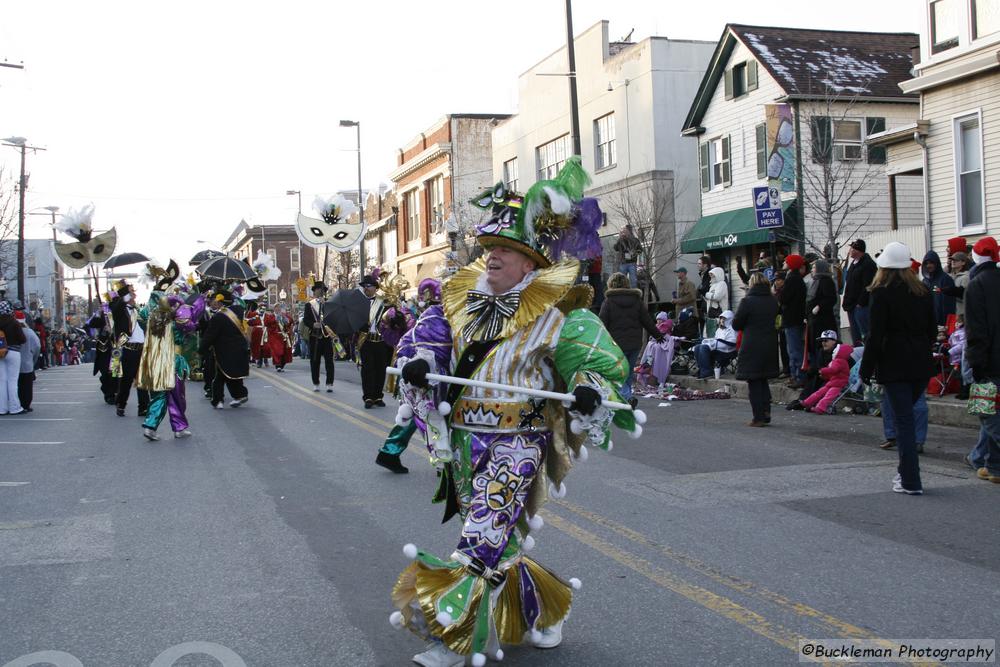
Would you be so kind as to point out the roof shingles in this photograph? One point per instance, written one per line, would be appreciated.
(822, 62)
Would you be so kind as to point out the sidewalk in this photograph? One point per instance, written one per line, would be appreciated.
(947, 412)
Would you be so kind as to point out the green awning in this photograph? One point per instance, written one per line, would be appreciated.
(737, 228)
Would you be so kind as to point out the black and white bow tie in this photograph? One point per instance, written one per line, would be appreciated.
(490, 312)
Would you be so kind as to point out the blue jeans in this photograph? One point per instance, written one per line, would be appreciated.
(795, 344)
(902, 396)
(631, 358)
(859, 319)
(978, 454)
(708, 359)
(630, 271)
(991, 428)
(919, 416)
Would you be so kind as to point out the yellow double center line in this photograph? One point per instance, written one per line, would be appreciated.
(826, 624)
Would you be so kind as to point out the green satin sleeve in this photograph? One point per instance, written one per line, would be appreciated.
(586, 354)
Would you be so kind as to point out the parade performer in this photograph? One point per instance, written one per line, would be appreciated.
(129, 336)
(428, 294)
(163, 368)
(373, 352)
(225, 340)
(321, 338)
(514, 318)
(279, 333)
(102, 354)
(259, 351)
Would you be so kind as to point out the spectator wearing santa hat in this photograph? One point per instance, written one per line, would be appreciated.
(982, 348)
(30, 352)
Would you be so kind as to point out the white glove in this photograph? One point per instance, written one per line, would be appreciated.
(815, 310)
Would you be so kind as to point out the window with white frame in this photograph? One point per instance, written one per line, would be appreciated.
(412, 202)
(847, 140)
(272, 294)
(715, 164)
(436, 187)
(985, 17)
(946, 23)
(969, 202)
(510, 174)
(294, 260)
(604, 138)
(551, 157)
(31, 266)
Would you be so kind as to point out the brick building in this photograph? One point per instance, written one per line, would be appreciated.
(438, 172)
(282, 243)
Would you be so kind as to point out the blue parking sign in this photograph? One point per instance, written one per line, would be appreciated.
(767, 207)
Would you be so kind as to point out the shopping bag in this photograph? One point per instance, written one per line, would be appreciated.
(982, 399)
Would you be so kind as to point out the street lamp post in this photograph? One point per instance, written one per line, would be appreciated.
(361, 207)
(299, 193)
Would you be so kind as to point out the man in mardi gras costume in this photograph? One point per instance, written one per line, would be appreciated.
(396, 322)
(227, 343)
(163, 367)
(513, 318)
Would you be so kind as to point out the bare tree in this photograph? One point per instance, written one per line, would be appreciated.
(8, 222)
(840, 178)
(650, 210)
(461, 227)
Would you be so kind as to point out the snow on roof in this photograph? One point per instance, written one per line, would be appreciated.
(814, 62)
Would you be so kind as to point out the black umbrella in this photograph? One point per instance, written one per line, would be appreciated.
(346, 311)
(226, 268)
(204, 255)
(125, 259)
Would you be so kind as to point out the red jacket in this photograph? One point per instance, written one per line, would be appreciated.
(838, 373)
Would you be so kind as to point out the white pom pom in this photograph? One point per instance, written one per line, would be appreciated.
(396, 620)
(400, 421)
(575, 426)
(536, 635)
(611, 445)
(445, 409)
(536, 522)
(410, 551)
(636, 434)
(498, 656)
(529, 543)
(443, 619)
(405, 411)
(478, 660)
(557, 492)
(576, 584)
(640, 416)
(583, 455)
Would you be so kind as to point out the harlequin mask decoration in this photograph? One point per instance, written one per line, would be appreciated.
(332, 228)
(87, 248)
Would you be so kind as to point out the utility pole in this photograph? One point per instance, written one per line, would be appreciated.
(22, 144)
(574, 111)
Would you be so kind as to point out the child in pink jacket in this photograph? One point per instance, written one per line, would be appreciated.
(837, 375)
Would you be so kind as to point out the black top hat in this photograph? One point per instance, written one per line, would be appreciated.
(227, 296)
(319, 285)
(368, 281)
(123, 290)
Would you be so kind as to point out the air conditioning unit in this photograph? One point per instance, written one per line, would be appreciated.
(847, 152)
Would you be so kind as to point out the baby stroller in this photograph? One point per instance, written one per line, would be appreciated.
(686, 328)
(854, 392)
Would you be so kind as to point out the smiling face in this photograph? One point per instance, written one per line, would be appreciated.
(505, 268)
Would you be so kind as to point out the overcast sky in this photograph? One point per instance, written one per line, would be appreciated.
(178, 119)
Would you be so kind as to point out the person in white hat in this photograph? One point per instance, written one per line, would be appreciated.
(898, 352)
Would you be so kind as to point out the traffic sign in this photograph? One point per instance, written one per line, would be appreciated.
(767, 207)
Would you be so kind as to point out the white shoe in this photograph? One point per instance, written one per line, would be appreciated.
(439, 655)
(549, 637)
(182, 434)
(316, 388)
(238, 402)
(218, 406)
(150, 434)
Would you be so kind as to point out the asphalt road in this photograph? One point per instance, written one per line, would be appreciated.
(270, 538)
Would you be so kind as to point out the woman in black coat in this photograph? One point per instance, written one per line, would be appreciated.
(898, 351)
(625, 316)
(821, 307)
(758, 358)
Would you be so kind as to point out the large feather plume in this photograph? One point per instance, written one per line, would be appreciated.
(77, 223)
(265, 267)
(334, 209)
